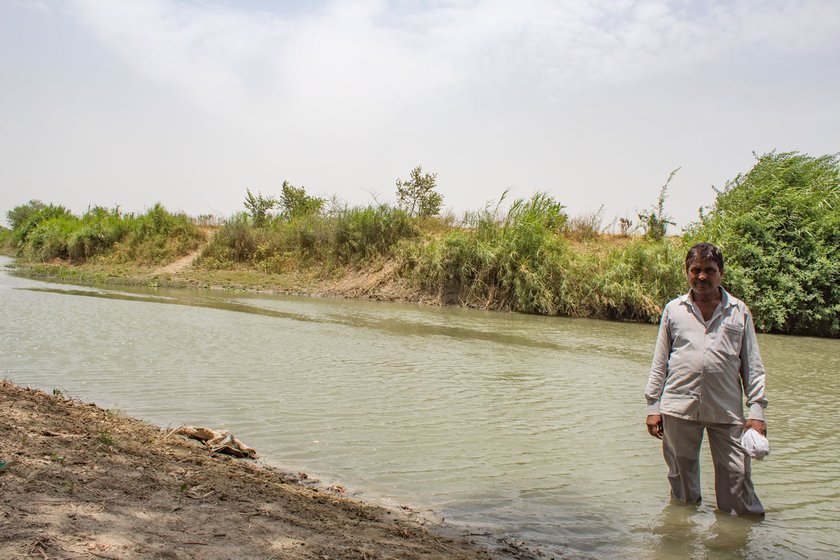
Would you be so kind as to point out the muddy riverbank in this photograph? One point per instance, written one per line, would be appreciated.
(78, 481)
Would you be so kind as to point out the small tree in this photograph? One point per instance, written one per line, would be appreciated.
(18, 215)
(36, 214)
(654, 221)
(417, 196)
(295, 203)
(259, 206)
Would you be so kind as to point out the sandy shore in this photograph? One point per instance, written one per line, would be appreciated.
(83, 482)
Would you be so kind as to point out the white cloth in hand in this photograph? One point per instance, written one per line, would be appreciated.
(755, 444)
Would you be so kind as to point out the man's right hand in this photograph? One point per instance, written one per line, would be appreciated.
(654, 425)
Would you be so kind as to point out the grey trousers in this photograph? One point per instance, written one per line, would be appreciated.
(681, 447)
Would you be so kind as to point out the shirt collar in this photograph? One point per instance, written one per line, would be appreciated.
(725, 300)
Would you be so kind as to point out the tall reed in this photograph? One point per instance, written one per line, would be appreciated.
(512, 261)
(629, 281)
(346, 236)
(522, 261)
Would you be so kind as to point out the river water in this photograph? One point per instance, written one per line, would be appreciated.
(512, 426)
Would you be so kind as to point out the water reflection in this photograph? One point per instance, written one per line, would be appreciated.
(405, 328)
(683, 531)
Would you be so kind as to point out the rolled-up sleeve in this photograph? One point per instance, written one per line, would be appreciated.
(659, 367)
(752, 372)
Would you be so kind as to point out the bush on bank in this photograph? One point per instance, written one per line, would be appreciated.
(626, 281)
(523, 261)
(46, 232)
(352, 236)
(6, 245)
(514, 262)
(157, 237)
(778, 226)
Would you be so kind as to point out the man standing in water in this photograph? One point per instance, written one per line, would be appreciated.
(706, 360)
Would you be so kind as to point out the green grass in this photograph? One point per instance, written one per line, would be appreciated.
(105, 438)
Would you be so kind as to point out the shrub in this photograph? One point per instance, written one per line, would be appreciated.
(50, 238)
(259, 207)
(311, 235)
(19, 215)
(515, 262)
(364, 233)
(778, 226)
(345, 236)
(586, 226)
(632, 281)
(417, 196)
(295, 203)
(157, 236)
(234, 242)
(97, 233)
(6, 242)
(33, 219)
(53, 232)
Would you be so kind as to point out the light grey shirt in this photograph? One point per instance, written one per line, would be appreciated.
(702, 372)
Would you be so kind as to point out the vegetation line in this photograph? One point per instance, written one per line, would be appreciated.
(778, 225)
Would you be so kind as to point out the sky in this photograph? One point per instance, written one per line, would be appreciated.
(190, 102)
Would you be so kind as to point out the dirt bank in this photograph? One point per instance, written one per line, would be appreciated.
(82, 482)
(380, 281)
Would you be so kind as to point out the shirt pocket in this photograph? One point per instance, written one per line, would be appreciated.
(731, 338)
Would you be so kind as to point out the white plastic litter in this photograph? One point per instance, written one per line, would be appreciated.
(755, 444)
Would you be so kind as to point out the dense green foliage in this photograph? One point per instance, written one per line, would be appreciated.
(522, 261)
(370, 232)
(6, 245)
(514, 261)
(20, 214)
(346, 236)
(46, 232)
(631, 280)
(28, 217)
(778, 226)
(157, 236)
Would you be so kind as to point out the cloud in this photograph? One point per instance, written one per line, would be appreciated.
(203, 53)
(39, 6)
(360, 57)
(350, 94)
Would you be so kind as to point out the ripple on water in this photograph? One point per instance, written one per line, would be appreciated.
(531, 427)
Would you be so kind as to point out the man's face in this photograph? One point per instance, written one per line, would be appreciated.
(704, 277)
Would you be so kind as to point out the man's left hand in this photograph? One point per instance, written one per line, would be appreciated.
(756, 425)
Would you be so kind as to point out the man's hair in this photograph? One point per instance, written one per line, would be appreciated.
(705, 252)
